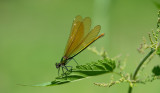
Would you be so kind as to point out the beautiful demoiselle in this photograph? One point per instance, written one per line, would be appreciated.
(80, 38)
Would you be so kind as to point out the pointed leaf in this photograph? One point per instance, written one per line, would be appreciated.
(83, 71)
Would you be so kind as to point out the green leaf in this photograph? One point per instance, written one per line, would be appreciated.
(158, 50)
(156, 70)
(84, 71)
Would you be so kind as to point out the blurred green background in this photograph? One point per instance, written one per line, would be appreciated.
(33, 35)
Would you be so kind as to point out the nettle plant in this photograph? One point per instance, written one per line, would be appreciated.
(108, 65)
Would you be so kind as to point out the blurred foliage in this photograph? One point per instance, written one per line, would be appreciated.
(158, 50)
(157, 3)
(154, 39)
(133, 79)
(156, 70)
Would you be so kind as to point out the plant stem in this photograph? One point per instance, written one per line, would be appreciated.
(139, 66)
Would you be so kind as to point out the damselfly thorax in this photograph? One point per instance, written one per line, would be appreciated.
(63, 62)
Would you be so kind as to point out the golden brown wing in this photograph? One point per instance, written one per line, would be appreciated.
(87, 40)
(79, 30)
(75, 25)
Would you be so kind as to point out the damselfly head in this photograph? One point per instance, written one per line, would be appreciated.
(58, 65)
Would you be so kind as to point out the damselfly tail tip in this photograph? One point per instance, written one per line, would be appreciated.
(101, 35)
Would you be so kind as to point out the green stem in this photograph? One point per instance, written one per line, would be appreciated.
(139, 66)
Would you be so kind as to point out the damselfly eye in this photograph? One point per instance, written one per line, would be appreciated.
(58, 65)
